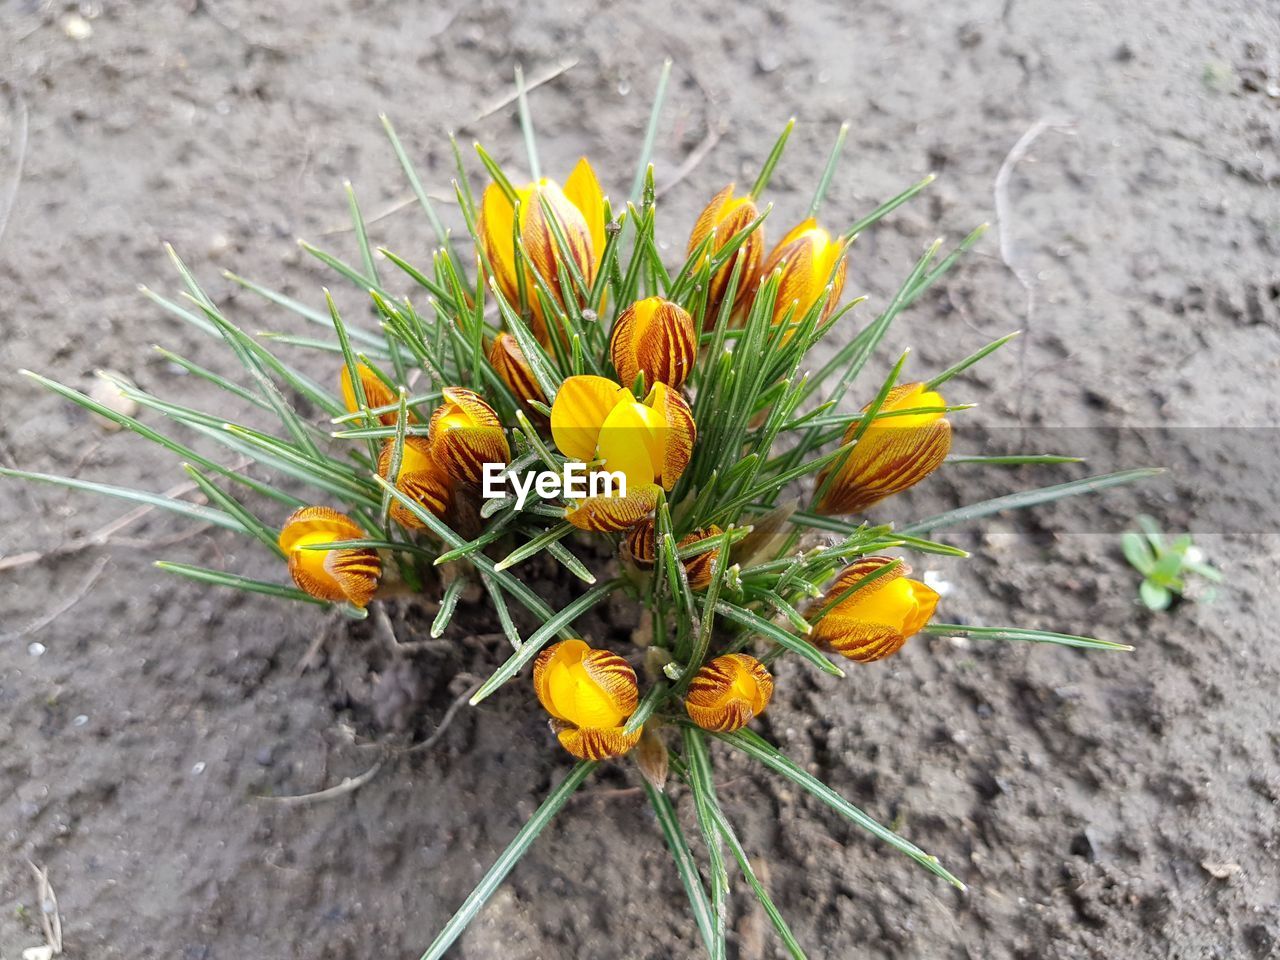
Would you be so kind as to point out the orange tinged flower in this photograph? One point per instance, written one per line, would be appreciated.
(655, 337)
(376, 393)
(647, 443)
(893, 453)
(809, 259)
(590, 694)
(465, 434)
(875, 620)
(579, 211)
(508, 361)
(727, 215)
(333, 575)
(420, 478)
(727, 692)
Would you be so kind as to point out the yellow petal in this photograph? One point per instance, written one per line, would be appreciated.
(376, 393)
(655, 336)
(583, 190)
(633, 440)
(497, 233)
(585, 687)
(582, 403)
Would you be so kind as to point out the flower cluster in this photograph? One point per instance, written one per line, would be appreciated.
(638, 429)
(733, 484)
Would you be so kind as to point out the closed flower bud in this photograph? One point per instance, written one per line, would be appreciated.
(810, 260)
(590, 694)
(420, 478)
(579, 210)
(727, 216)
(875, 620)
(727, 692)
(376, 393)
(649, 443)
(893, 453)
(465, 434)
(698, 567)
(508, 361)
(654, 337)
(334, 575)
(641, 543)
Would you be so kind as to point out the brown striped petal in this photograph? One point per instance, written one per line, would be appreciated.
(699, 567)
(728, 691)
(727, 216)
(465, 434)
(539, 239)
(597, 744)
(421, 478)
(508, 361)
(615, 678)
(655, 337)
(641, 542)
(682, 432)
(613, 514)
(888, 458)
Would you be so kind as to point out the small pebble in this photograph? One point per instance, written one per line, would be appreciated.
(36, 649)
(198, 768)
(80, 720)
(76, 27)
(106, 392)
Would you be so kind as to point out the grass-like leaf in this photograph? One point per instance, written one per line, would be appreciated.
(509, 857)
(1019, 633)
(754, 746)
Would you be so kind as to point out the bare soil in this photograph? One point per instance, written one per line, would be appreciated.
(1097, 805)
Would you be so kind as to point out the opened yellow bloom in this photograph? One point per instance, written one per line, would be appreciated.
(420, 478)
(649, 443)
(727, 216)
(893, 454)
(810, 260)
(376, 393)
(333, 575)
(579, 210)
(465, 434)
(508, 361)
(590, 694)
(654, 337)
(727, 692)
(875, 620)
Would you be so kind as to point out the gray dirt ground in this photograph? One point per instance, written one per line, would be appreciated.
(1098, 806)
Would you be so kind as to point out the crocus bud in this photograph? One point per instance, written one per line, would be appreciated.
(648, 443)
(465, 434)
(727, 692)
(875, 620)
(589, 694)
(641, 543)
(420, 478)
(376, 393)
(698, 567)
(654, 337)
(893, 453)
(728, 215)
(333, 575)
(508, 361)
(809, 260)
(579, 210)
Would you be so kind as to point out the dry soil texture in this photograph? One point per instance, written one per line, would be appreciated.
(1097, 805)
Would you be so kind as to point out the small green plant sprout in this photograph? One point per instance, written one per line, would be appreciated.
(1165, 566)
